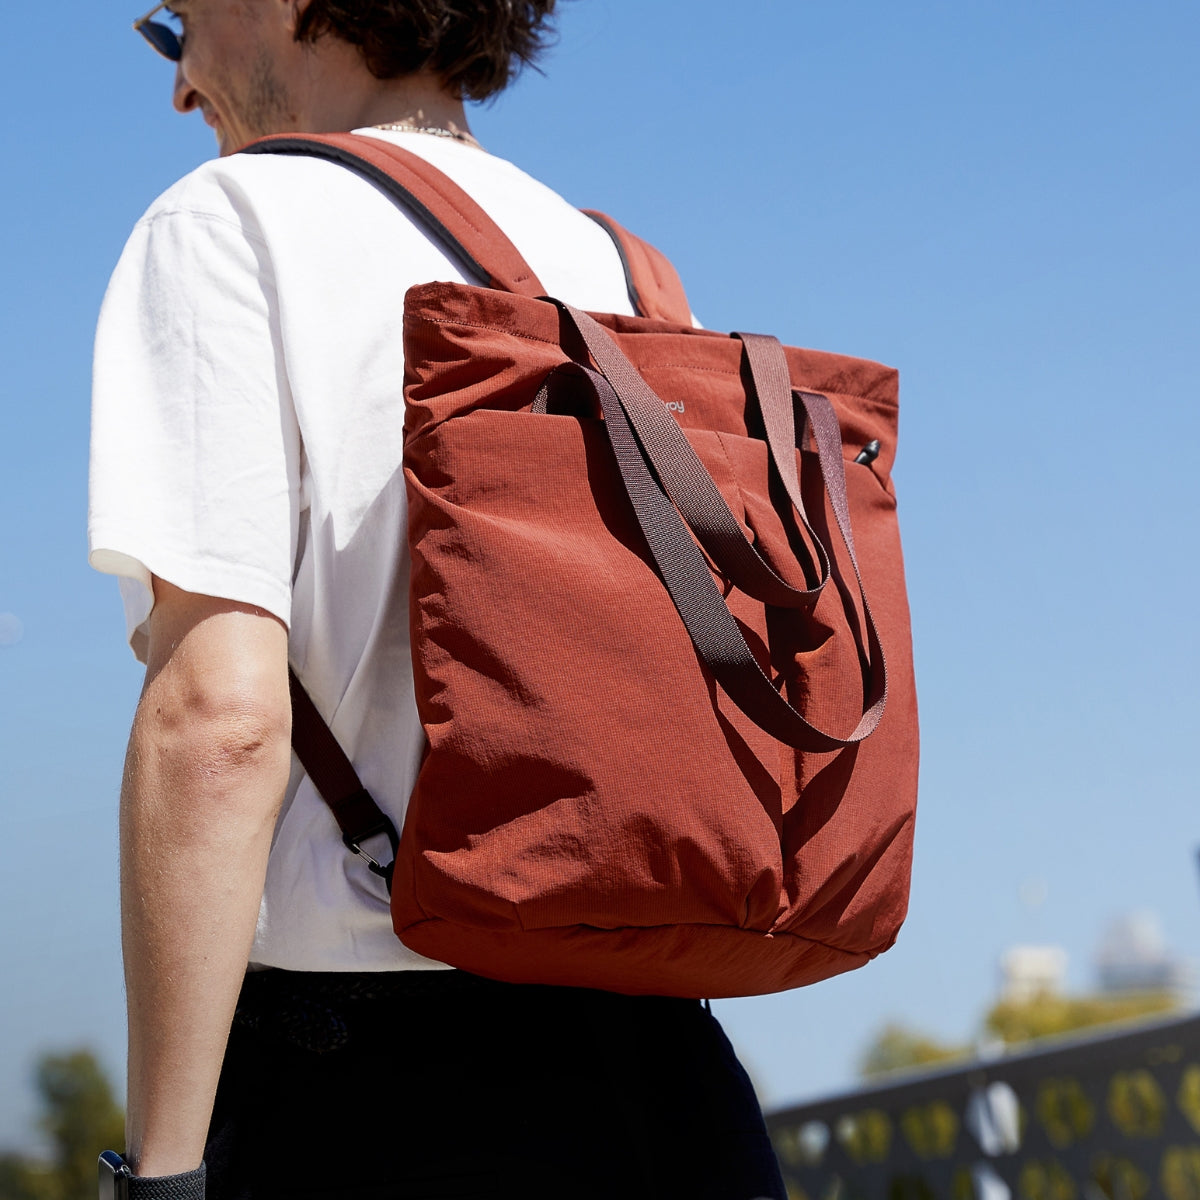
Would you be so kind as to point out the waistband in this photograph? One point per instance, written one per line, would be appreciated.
(321, 1011)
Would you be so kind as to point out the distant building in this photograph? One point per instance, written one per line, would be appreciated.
(1133, 957)
(1030, 971)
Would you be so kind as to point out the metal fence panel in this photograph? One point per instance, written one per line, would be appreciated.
(1114, 1117)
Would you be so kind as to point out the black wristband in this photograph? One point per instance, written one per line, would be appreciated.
(186, 1186)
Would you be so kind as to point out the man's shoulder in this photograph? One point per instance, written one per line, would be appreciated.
(230, 189)
(244, 182)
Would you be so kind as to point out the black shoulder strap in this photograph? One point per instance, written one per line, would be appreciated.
(337, 782)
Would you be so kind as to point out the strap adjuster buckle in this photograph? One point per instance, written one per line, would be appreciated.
(353, 842)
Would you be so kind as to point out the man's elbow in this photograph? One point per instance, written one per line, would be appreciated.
(211, 738)
(222, 749)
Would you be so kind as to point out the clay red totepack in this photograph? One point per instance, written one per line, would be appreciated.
(660, 635)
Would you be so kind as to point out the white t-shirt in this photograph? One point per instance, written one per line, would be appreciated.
(246, 443)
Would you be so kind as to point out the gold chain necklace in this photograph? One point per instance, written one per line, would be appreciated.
(456, 135)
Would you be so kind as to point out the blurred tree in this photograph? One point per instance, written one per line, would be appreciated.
(23, 1180)
(81, 1117)
(1048, 1014)
(897, 1048)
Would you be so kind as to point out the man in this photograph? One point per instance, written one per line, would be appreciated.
(247, 436)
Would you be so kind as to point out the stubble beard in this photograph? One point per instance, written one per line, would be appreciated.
(269, 107)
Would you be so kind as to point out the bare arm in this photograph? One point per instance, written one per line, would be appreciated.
(205, 774)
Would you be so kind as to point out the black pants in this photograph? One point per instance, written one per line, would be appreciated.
(439, 1084)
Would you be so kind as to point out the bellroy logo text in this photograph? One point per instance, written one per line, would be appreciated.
(675, 406)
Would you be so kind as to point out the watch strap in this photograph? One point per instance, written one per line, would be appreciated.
(189, 1185)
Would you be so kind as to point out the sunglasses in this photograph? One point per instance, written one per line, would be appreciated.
(162, 37)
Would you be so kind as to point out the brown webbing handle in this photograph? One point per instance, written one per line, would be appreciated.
(436, 201)
(681, 565)
(337, 782)
(698, 498)
(689, 484)
(773, 386)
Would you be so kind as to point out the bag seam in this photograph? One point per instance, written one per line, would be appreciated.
(533, 337)
(874, 950)
(529, 337)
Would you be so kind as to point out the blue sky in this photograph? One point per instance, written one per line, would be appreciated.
(998, 198)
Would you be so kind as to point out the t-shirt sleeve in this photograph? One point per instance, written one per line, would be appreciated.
(195, 447)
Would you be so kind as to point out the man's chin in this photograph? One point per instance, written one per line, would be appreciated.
(230, 144)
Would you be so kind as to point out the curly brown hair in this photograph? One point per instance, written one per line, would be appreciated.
(476, 47)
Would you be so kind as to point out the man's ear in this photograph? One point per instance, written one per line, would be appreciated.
(293, 11)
